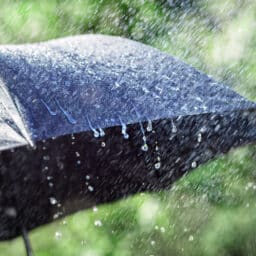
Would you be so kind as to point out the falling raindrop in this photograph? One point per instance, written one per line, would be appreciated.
(95, 209)
(199, 137)
(162, 229)
(58, 235)
(45, 168)
(87, 177)
(53, 200)
(174, 128)
(90, 188)
(83, 242)
(144, 147)
(191, 238)
(194, 164)
(152, 242)
(103, 144)
(124, 129)
(98, 223)
(46, 158)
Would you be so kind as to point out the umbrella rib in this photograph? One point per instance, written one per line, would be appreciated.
(17, 118)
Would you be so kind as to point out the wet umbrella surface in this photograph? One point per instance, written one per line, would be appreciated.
(91, 119)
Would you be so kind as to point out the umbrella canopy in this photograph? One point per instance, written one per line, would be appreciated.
(91, 119)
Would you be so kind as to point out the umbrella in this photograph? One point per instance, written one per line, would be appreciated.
(92, 119)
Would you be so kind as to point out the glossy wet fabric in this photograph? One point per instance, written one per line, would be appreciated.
(92, 119)
(89, 82)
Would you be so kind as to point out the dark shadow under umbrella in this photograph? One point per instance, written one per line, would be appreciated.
(91, 119)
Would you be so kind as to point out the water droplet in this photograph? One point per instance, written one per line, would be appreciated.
(45, 168)
(98, 223)
(144, 147)
(199, 137)
(191, 238)
(83, 242)
(90, 188)
(58, 235)
(57, 215)
(11, 212)
(217, 127)
(53, 113)
(46, 158)
(117, 85)
(149, 126)
(103, 144)
(152, 242)
(194, 164)
(77, 154)
(96, 134)
(66, 114)
(102, 133)
(250, 184)
(95, 209)
(162, 229)
(87, 177)
(53, 200)
(174, 128)
(157, 165)
(124, 129)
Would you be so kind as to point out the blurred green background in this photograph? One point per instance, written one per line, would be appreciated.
(211, 211)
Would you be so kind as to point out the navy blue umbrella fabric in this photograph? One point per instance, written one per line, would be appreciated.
(90, 82)
(91, 119)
